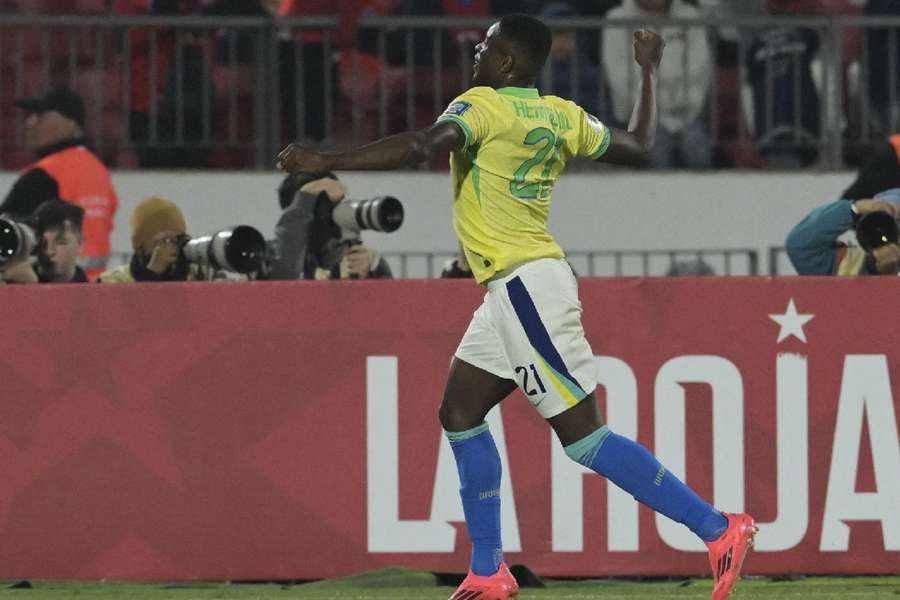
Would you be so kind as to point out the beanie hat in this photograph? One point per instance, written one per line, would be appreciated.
(152, 216)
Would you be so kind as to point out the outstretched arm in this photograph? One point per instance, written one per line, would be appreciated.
(633, 147)
(401, 150)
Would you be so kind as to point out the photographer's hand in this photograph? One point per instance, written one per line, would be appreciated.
(19, 271)
(359, 261)
(165, 252)
(887, 259)
(333, 188)
(870, 205)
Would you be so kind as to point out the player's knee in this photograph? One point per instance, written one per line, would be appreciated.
(449, 418)
(454, 418)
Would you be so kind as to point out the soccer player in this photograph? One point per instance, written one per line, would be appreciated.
(508, 146)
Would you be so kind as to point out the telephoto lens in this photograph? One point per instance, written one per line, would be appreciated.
(17, 240)
(240, 249)
(383, 213)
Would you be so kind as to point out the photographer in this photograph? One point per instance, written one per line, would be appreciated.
(59, 241)
(310, 244)
(156, 226)
(814, 248)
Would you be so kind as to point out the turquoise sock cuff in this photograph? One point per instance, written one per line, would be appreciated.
(461, 436)
(584, 450)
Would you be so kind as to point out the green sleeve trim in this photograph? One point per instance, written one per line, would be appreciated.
(460, 436)
(604, 146)
(462, 124)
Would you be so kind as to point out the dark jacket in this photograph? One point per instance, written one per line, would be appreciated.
(79, 277)
(813, 247)
(307, 249)
(35, 186)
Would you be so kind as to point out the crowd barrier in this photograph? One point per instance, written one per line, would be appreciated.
(289, 430)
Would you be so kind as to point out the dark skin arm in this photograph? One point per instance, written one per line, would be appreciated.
(633, 147)
(394, 152)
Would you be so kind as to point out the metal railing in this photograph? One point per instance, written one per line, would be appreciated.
(619, 263)
(779, 263)
(603, 263)
(236, 89)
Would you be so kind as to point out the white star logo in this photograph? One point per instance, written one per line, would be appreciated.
(791, 323)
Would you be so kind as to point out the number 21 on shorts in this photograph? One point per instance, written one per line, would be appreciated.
(530, 389)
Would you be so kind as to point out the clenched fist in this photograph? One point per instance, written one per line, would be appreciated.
(648, 48)
(297, 159)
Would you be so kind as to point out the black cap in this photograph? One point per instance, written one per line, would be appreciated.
(62, 100)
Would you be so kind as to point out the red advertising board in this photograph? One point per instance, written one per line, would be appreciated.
(289, 430)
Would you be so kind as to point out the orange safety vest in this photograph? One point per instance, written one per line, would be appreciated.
(85, 181)
(895, 142)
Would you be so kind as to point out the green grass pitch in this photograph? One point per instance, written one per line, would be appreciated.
(401, 584)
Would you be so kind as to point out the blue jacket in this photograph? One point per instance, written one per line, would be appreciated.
(813, 248)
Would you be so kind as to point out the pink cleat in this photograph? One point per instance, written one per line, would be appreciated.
(727, 554)
(499, 586)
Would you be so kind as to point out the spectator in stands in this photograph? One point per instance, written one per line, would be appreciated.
(244, 40)
(308, 244)
(58, 231)
(455, 41)
(814, 248)
(66, 169)
(786, 105)
(883, 43)
(168, 132)
(880, 172)
(156, 226)
(306, 49)
(682, 137)
(572, 73)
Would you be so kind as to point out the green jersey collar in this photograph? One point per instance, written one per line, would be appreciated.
(520, 92)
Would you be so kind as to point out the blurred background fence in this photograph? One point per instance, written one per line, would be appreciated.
(229, 92)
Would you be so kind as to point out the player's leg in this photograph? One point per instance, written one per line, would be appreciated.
(545, 339)
(631, 467)
(470, 394)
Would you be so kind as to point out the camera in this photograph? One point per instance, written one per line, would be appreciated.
(240, 249)
(17, 240)
(382, 213)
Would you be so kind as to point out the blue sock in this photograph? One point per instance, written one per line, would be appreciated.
(631, 467)
(478, 463)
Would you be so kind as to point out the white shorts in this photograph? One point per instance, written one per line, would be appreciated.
(528, 329)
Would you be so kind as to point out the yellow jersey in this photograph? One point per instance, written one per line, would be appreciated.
(517, 145)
